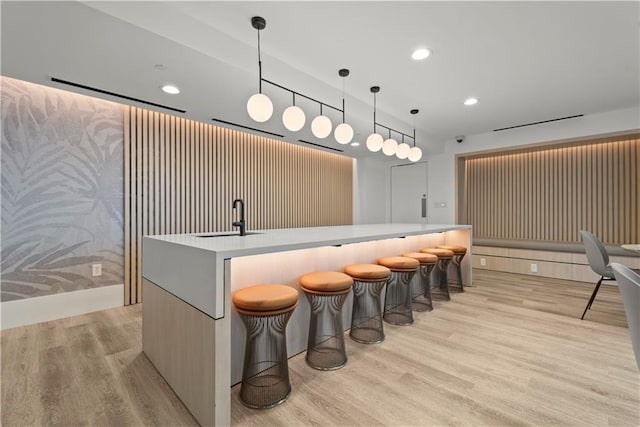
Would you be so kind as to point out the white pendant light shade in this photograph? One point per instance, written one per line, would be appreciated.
(260, 107)
(374, 142)
(415, 154)
(321, 127)
(390, 146)
(293, 118)
(403, 151)
(343, 133)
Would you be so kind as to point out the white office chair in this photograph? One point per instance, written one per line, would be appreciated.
(598, 261)
(629, 284)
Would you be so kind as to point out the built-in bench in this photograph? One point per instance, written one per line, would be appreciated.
(548, 259)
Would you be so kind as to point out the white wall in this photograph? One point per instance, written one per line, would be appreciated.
(373, 175)
(371, 191)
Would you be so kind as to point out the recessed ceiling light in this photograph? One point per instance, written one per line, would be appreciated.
(421, 53)
(170, 89)
(355, 144)
(470, 101)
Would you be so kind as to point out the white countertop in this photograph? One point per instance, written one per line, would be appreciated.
(286, 239)
(192, 267)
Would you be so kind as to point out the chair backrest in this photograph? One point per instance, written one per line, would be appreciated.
(629, 284)
(596, 253)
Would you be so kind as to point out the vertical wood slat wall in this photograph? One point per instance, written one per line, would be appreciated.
(182, 176)
(552, 194)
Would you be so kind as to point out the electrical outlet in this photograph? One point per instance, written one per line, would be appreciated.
(96, 270)
(534, 268)
(483, 261)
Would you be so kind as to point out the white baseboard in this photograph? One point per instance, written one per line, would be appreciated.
(51, 307)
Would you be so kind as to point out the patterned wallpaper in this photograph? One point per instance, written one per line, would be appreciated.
(62, 185)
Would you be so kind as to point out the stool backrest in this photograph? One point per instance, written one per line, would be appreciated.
(596, 254)
(629, 284)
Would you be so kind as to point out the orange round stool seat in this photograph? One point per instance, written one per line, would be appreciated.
(421, 289)
(421, 257)
(263, 300)
(265, 311)
(440, 253)
(367, 272)
(456, 249)
(326, 282)
(399, 263)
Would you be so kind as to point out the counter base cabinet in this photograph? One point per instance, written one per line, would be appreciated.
(180, 342)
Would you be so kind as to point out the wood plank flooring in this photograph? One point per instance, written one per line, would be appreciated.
(509, 351)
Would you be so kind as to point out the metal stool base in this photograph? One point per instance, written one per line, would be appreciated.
(441, 291)
(325, 346)
(326, 358)
(455, 263)
(265, 375)
(421, 290)
(258, 393)
(366, 316)
(397, 302)
(365, 335)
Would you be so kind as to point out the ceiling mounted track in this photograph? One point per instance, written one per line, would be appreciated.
(117, 95)
(540, 122)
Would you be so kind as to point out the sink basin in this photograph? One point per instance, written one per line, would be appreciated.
(237, 234)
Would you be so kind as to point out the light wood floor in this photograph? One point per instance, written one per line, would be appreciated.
(509, 351)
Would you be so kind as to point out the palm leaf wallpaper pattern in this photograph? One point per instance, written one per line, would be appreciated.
(62, 191)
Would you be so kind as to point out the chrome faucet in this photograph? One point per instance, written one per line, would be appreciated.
(242, 224)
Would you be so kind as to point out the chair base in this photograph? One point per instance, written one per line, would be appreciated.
(593, 295)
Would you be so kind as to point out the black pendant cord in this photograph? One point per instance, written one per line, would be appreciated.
(413, 113)
(259, 66)
(374, 112)
(343, 100)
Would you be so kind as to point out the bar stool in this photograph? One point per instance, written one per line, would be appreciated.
(421, 289)
(458, 253)
(265, 311)
(441, 289)
(397, 301)
(326, 292)
(366, 317)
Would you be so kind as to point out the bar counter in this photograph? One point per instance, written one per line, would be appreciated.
(190, 332)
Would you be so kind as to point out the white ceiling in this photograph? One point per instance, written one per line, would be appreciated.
(524, 61)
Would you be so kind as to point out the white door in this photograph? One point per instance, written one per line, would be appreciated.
(409, 193)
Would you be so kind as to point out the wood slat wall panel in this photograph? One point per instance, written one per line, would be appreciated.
(182, 176)
(551, 194)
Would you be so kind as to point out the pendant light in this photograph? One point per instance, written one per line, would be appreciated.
(390, 145)
(403, 150)
(344, 131)
(321, 126)
(259, 106)
(415, 153)
(375, 140)
(293, 117)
